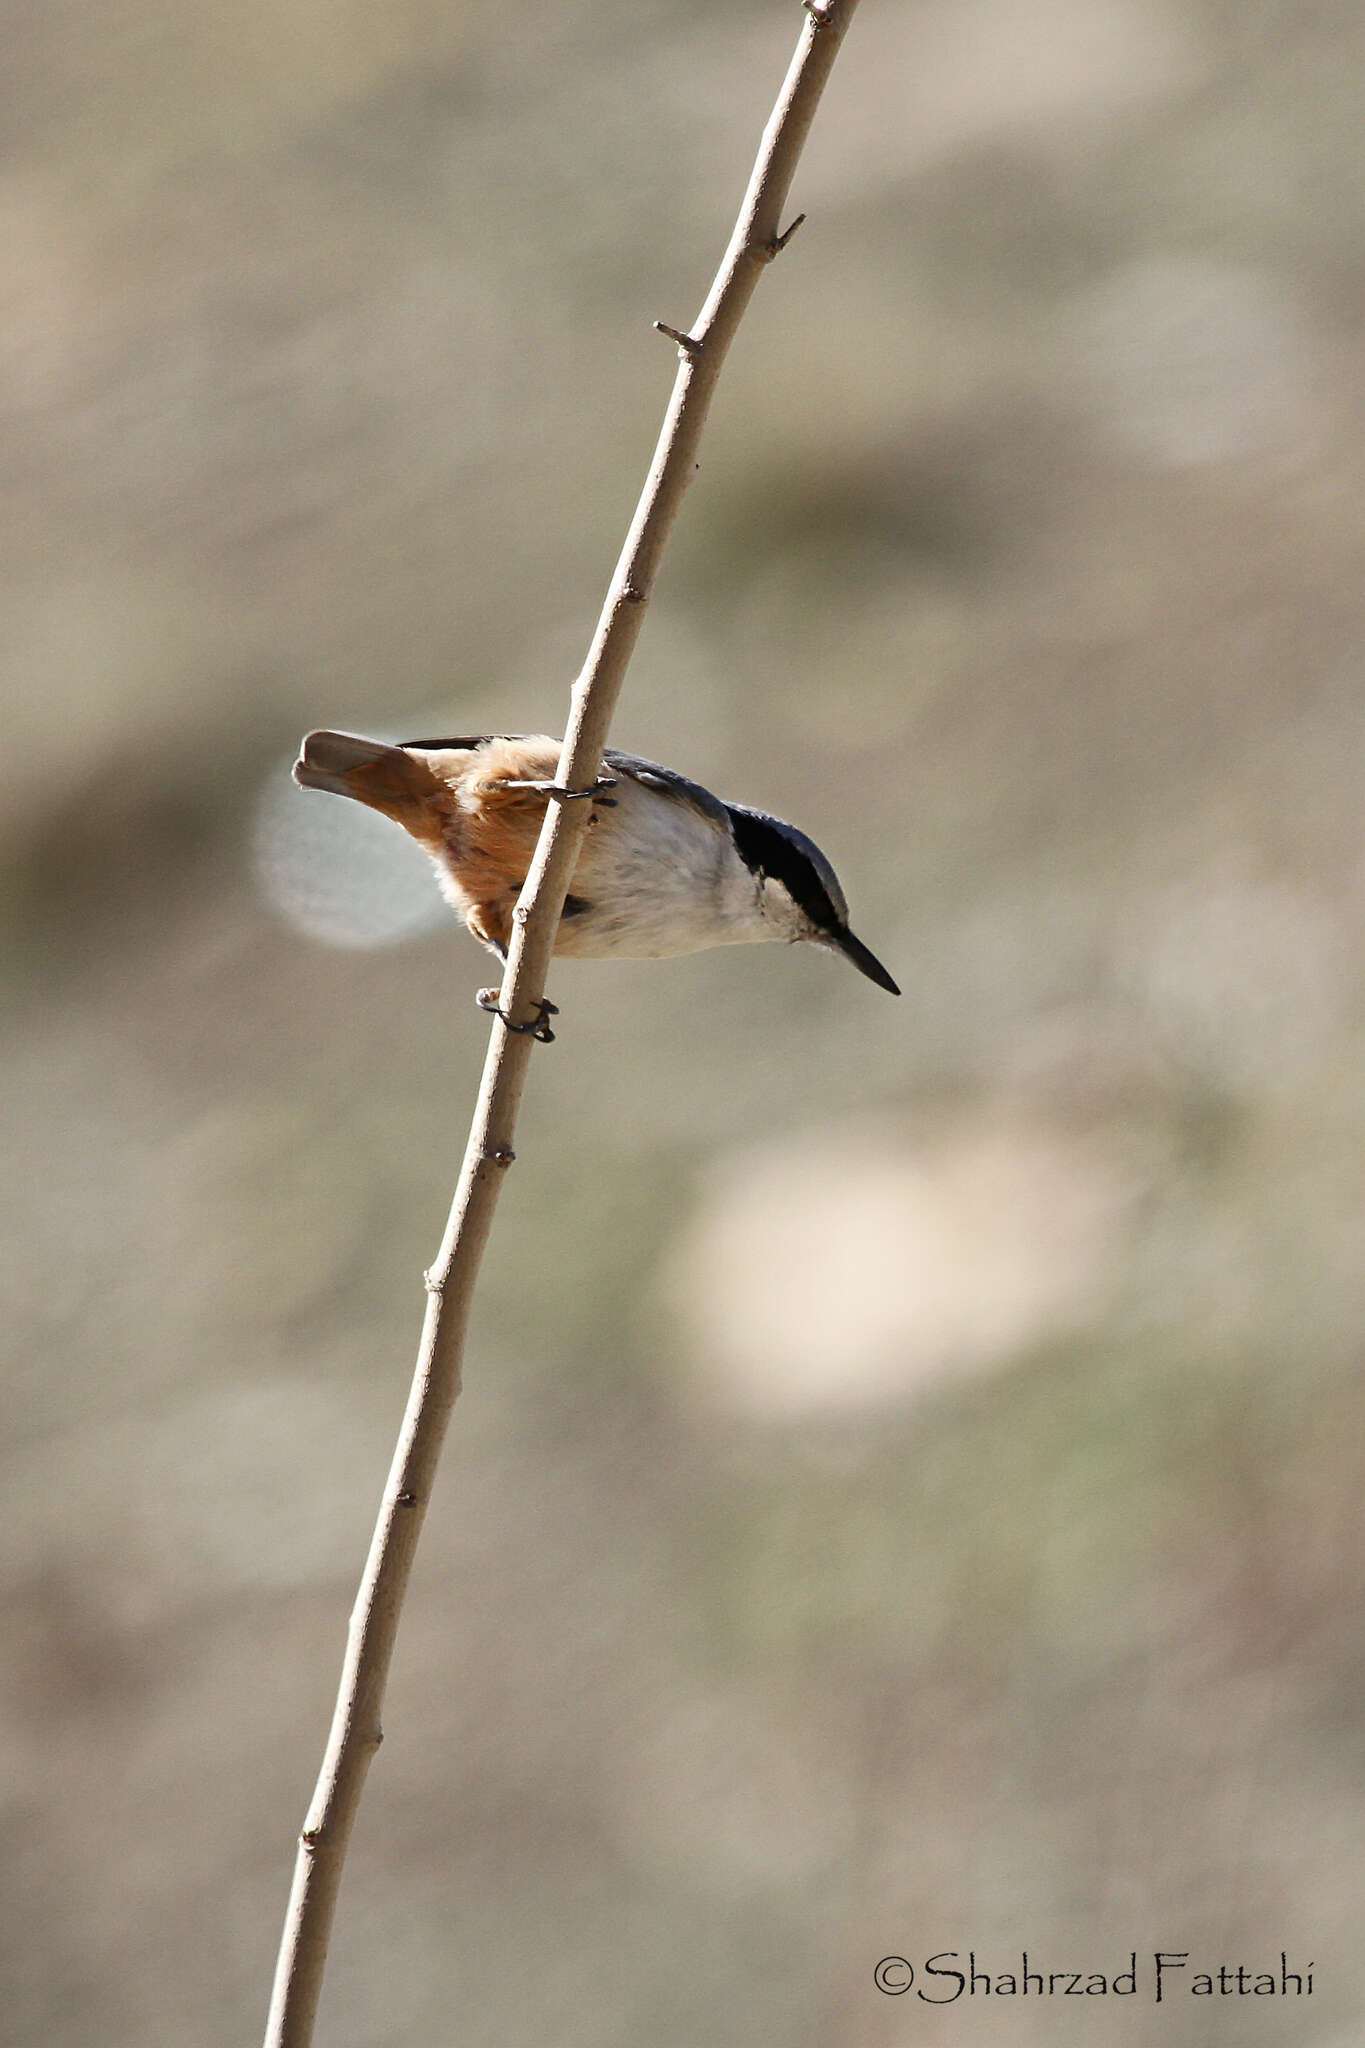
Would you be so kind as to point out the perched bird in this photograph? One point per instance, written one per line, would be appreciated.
(665, 867)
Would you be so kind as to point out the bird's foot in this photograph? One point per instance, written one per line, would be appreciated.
(538, 1028)
(564, 796)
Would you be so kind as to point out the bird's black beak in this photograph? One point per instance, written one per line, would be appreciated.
(864, 960)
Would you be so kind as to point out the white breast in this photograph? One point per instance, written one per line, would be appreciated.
(659, 877)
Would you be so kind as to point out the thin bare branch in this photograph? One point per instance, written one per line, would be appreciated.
(356, 1732)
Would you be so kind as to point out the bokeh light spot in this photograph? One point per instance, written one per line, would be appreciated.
(339, 873)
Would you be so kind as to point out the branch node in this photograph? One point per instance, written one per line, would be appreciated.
(432, 1284)
(690, 344)
(310, 1838)
(821, 12)
(632, 594)
(405, 1499)
(503, 1156)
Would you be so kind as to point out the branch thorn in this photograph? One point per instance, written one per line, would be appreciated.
(779, 242)
(688, 343)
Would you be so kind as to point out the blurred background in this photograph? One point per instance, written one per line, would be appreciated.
(906, 1494)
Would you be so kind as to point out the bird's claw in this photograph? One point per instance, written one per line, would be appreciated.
(538, 1028)
(564, 796)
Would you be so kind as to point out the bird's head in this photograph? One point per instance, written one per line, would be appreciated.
(799, 892)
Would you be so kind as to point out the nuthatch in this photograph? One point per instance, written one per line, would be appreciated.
(665, 867)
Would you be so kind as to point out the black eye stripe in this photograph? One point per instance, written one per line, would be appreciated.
(769, 851)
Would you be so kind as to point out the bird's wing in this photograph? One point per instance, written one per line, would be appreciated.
(466, 745)
(651, 775)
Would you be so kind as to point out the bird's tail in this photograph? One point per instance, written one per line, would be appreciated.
(388, 779)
